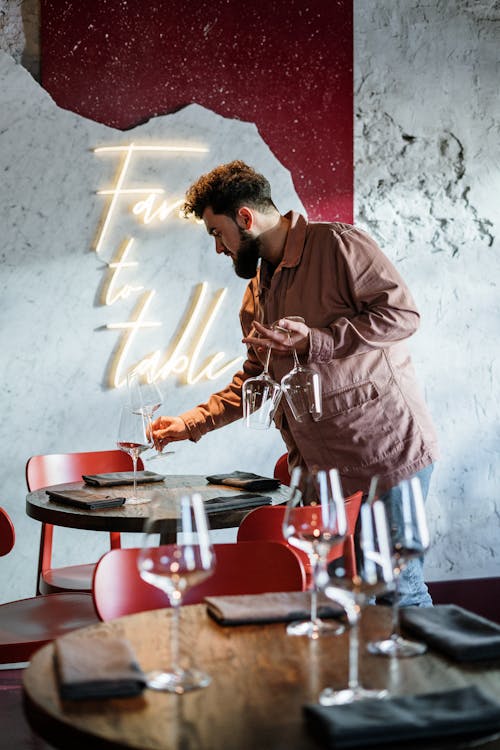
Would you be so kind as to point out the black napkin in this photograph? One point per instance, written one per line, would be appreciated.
(97, 667)
(245, 480)
(116, 478)
(236, 502)
(247, 609)
(411, 717)
(85, 499)
(458, 633)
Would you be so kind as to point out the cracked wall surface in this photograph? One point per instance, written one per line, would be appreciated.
(427, 181)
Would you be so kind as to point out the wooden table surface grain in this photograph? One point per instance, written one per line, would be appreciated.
(261, 678)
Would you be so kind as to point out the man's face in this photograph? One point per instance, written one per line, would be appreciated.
(234, 241)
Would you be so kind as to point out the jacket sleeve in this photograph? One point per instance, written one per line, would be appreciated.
(380, 310)
(225, 406)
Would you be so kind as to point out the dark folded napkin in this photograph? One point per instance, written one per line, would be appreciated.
(116, 478)
(85, 499)
(459, 634)
(245, 480)
(104, 667)
(465, 711)
(270, 607)
(236, 502)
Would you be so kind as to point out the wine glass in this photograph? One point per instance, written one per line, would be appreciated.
(174, 568)
(133, 438)
(409, 540)
(145, 397)
(302, 385)
(314, 521)
(373, 576)
(261, 396)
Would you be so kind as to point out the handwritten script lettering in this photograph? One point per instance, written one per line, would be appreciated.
(183, 356)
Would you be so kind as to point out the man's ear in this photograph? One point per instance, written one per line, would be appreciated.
(244, 218)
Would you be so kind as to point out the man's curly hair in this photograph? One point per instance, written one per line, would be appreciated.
(226, 188)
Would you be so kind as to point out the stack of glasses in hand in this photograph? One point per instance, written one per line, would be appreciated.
(262, 394)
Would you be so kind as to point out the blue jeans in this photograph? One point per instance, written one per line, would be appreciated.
(412, 587)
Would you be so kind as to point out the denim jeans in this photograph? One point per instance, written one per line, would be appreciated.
(412, 587)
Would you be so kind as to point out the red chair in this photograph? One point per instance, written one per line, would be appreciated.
(62, 468)
(266, 522)
(28, 624)
(246, 568)
(281, 470)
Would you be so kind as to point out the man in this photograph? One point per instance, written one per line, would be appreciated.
(357, 312)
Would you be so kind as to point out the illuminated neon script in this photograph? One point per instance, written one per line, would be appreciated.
(182, 355)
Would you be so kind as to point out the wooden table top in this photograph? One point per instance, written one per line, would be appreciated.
(261, 678)
(131, 517)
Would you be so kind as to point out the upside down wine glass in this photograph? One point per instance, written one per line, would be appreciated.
(373, 576)
(174, 568)
(409, 540)
(261, 396)
(314, 521)
(302, 385)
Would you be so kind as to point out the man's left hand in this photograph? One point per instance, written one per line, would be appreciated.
(293, 335)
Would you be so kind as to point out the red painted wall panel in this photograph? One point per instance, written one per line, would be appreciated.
(284, 64)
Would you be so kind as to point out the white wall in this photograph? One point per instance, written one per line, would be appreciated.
(427, 174)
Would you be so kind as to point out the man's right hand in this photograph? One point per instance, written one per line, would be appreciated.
(167, 430)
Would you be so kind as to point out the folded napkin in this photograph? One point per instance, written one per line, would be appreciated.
(459, 634)
(116, 478)
(270, 607)
(103, 667)
(236, 502)
(85, 499)
(411, 717)
(245, 480)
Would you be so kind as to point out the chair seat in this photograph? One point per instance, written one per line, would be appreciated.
(73, 577)
(28, 624)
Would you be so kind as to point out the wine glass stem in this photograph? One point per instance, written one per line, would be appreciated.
(268, 359)
(134, 464)
(354, 652)
(295, 358)
(174, 638)
(395, 611)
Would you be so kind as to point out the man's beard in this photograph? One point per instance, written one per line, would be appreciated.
(247, 255)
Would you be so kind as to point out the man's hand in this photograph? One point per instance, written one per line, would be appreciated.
(168, 430)
(288, 335)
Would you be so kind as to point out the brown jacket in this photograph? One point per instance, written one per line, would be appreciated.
(360, 312)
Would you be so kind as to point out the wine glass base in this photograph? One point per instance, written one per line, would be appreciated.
(398, 647)
(137, 500)
(181, 681)
(314, 628)
(330, 697)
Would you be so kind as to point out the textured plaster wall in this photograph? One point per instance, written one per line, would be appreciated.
(427, 186)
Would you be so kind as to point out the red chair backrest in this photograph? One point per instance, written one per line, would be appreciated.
(266, 522)
(63, 468)
(246, 568)
(281, 470)
(7, 533)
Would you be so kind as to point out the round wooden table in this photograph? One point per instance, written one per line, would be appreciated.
(128, 518)
(261, 678)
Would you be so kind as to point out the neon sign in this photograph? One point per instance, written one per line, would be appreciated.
(182, 356)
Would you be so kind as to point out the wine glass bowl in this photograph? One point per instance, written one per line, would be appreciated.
(373, 576)
(174, 569)
(410, 539)
(315, 521)
(260, 397)
(302, 385)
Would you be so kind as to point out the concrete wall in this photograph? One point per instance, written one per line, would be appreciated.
(427, 181)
